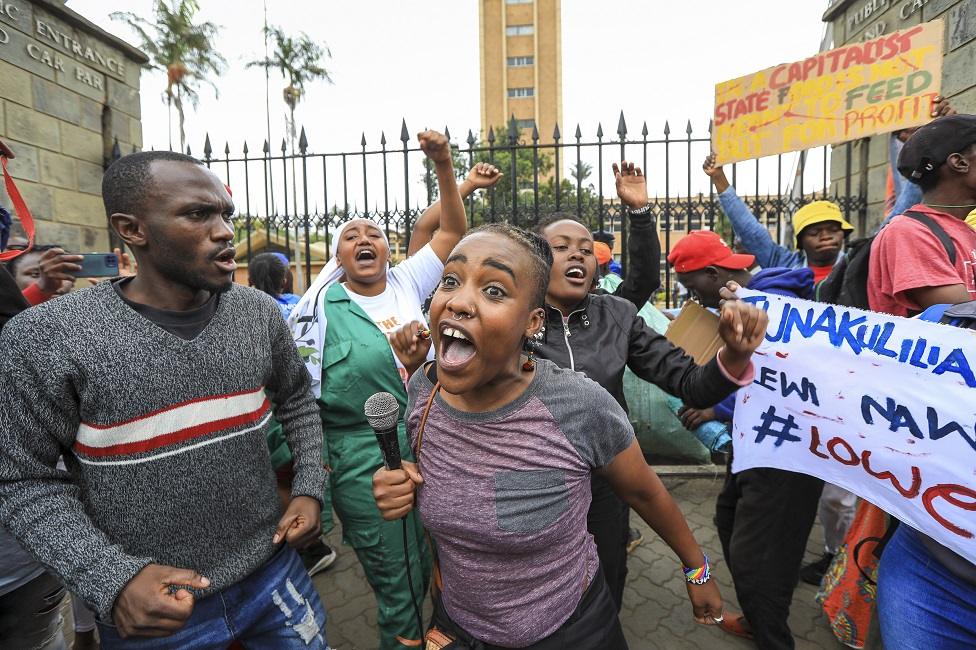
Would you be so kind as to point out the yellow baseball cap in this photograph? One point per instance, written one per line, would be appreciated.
(971, 219)
(818, 212)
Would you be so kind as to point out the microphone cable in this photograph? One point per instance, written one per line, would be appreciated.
(413, 594)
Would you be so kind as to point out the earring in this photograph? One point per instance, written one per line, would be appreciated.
(529, 364)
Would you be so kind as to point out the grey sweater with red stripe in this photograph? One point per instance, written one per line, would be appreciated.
(164, 439)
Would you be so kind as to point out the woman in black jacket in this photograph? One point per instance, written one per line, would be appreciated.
(600, 335)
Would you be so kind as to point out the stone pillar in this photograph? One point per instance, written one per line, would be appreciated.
(68, 90)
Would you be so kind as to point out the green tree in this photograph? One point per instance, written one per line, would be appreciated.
(299, 59)
(581, 171)
(182, 48)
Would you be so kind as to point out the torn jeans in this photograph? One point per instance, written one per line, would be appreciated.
(274, 607)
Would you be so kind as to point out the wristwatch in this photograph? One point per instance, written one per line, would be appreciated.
(640, 212)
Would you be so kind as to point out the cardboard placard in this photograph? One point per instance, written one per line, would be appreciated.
(852, 92)
(695, 330)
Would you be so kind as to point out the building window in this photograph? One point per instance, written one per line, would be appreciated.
(521, 92)
(520, 61)
(520, 30)
(525, 124)
(518, 2)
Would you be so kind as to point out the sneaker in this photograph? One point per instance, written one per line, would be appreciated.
(634, 539)
(813, 573)
(318, 557)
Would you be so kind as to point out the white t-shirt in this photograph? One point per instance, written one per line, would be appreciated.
(408, 284)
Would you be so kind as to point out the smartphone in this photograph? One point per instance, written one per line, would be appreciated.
(98, 265)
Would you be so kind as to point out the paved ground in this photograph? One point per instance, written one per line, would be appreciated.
(656, 612)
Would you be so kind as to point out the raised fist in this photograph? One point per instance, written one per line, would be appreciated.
(435, 145)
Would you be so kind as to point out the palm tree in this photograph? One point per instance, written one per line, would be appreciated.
(180, 47)
(299, 59)
(581, 171)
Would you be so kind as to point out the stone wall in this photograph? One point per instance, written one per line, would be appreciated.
(68, 90)
(857, 20)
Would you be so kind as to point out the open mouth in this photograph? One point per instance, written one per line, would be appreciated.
(576, 274)
(455, 349)
(225, 259)
(365, 254)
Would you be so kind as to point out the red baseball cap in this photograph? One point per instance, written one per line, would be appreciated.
(701, 248)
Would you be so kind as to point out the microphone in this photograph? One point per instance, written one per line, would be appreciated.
(382, 412)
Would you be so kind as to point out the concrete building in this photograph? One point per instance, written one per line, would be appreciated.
(68, 91)
(859, 20)
(521, 65)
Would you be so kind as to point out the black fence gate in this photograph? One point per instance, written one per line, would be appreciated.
(296, 197)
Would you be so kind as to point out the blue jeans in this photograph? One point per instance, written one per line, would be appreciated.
(274, 607)
(921, 604)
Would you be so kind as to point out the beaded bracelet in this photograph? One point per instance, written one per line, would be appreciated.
(698, 576)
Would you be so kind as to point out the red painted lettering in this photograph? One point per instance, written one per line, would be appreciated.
(815, 443)
(834, 57)
(720, 114)
(796, 72)
(852, 458)
(853, 56)
(910, 493)
(947, 491)
(762, 100)
(774, 79)
(891, 47)
(906, 39)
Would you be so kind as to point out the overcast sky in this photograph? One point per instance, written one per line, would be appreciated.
(418, 60)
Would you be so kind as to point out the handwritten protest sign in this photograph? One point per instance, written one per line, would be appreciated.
(882, 406)
(852, 92)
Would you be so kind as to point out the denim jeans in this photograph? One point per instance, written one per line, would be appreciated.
(274, 607)
(921, 604)
(29, 615)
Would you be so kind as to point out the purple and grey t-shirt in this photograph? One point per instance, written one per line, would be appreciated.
(505, 496)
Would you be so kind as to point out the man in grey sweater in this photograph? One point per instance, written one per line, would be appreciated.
(157, 390)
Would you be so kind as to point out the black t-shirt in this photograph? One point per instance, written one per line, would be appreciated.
(12, 301)
(185, 324)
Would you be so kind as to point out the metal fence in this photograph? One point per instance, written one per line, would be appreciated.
(298, 196)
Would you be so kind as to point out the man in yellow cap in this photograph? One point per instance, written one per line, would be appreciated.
(820, 229)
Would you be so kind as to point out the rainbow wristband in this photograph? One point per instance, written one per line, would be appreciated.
(698, 576)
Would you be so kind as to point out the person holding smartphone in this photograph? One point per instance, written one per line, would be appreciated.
(43, 272)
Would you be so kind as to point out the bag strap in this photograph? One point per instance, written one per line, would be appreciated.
(437, 585)
(881, 543)
(937, 230)
(423, 421)
(20, 207)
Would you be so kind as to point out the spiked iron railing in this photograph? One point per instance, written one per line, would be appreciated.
(303, 203)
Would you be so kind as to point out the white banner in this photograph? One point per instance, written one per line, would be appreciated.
(882, 406)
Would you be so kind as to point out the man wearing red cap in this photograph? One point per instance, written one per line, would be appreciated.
(764, 515)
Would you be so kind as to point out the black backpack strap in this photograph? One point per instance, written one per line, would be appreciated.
(937, 230)
(961, 311)
(881, 543)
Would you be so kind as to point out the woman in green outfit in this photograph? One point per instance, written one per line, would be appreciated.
(341, 327)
